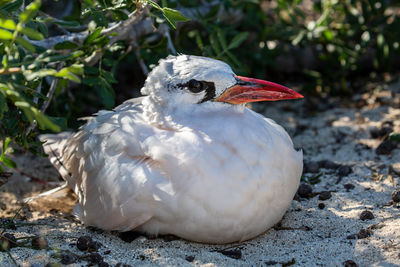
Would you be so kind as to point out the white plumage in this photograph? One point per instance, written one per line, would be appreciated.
(181, 162)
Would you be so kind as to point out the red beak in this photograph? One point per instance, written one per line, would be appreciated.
(252, 90)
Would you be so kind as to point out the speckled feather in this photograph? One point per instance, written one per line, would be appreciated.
(163, 164)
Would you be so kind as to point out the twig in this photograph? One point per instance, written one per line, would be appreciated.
(10, 71)
(143, 66)
(164, 30)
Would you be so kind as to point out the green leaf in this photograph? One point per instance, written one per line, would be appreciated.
(12, 6)
(119, 15)
(214, 44)
(67, 74)
(33, 113)
(238, 40)
(109, 77)
(8, 162)
(30, 75)
(394, 137)
(60, 121)
(173, 16)
(43, 28)
(91, 37)
(5, 35)
(3, 104)
(25, 44)
(29, 12)
(99, 18)
(221, 39)
(32, 34)
(7, 24)
(65, 45)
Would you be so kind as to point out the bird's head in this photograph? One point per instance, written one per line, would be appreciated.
(195, 80)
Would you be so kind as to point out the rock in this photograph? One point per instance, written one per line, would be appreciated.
(120, 264)
(311, 167)
(129, 236)
(366, 215)
(348, 187)
(321, 206)
(190, 258)
(103, 264)
(344, 170)
(68, 258)
(324, 195)
(304, 190)
(39, 242)
(328, 164)
(363, 234)
(396, 196)
(234, 253)
(385, 148)
(95, 258)
(350, 263)
(395, 168)
(83, 243)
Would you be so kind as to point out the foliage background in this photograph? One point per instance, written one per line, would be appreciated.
(327, 47)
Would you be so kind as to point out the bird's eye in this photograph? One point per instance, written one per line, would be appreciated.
(195, 86)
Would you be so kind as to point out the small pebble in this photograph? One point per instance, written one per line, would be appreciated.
(39, 242)
(311, 167)
(68, 259)
(324, 195)
(83, 242)
(366, 215)
(353, 236)
(363, 234)
(344, 170)
(93, 245)
(321, 206)
(234, 253)
(103, 264)
(190, 258)
(350, 263)
(268, 263)
(385, 148)
(129, 236)
(328, 164)
(396, 196)
(120, 264)
(95, 258)
(304, 190)
(348, 187)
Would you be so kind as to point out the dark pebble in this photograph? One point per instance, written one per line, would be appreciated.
(234, 254)
(83, 243)
(8, 224)
(68, 259)
(376, 133)
(304, 190)
(103, 264)
(321, 206)
(93, 246)
(120, 264)
(350, 263)
(311, 167)
(268, 263)
(324, 195)
(396, 196)
(36, 265)
(190, 258)
(328, 164)
(366, 215)
(107, 252)
(363, 234)
(95, 258)
(353, 236)
(348, 187)
(129, 236)
(385, 148)
(344, 170)
(39, 242)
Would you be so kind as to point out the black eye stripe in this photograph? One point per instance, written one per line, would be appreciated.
(196, 86)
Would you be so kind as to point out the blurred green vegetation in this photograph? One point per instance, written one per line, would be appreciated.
(326, 46)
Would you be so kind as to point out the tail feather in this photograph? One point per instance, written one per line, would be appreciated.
(54, 147)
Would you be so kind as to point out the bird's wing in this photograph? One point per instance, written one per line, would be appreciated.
(107, 168)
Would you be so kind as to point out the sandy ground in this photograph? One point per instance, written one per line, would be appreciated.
(320, 229)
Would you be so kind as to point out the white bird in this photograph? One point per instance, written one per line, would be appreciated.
(188, 159)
